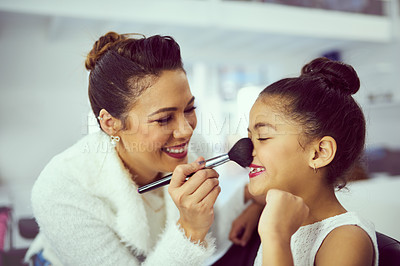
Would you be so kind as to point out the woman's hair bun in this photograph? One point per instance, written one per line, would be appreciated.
(337, 75)
(101, 46)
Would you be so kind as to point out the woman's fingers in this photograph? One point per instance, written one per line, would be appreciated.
(242, 236)
(245, 224)
(195, 197)
(236, 233)
(204, 188)
(182, 171)
(209, 200)
(201, 182)
(244, 239)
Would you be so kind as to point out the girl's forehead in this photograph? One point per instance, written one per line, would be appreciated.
(267, 115)
(262, 110)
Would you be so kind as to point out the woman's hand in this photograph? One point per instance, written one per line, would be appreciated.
(283, 214)
(195, 197)
(245, 224)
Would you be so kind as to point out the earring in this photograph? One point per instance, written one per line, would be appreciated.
(100, 118)
(114, 140)
(315, 169)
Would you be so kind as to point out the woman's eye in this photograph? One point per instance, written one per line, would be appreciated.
(164, 121)
(263, 139)
(191, 109)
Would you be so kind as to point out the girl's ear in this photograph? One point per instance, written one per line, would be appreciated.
(108, 123)
(322, 152)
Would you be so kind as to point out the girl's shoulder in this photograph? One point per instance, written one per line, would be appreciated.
(346, 234)
(353, 243)
(309, 240)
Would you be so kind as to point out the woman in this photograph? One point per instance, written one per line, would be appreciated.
(86, 201)
(307, 133)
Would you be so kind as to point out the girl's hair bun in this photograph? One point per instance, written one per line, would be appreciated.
(101, 46)
(337, 75)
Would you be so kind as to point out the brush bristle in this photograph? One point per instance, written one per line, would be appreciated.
(242, 152)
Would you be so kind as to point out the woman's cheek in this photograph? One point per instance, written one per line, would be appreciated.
(192, 120)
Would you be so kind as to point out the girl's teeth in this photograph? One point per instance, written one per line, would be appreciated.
(256, 170)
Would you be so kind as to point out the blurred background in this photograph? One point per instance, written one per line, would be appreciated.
(231, 51)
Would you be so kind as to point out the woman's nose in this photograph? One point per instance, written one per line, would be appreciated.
(184, 129)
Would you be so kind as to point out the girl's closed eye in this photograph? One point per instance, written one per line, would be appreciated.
(263, 139)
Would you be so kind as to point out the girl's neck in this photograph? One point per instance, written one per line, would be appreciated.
(323, 204)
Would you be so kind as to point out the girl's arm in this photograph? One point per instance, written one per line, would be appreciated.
(283, 214)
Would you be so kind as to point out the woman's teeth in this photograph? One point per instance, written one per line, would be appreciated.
(175, 150)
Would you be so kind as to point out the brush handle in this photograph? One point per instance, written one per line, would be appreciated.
(210, 163)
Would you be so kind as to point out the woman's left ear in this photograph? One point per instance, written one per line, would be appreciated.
(323, 152)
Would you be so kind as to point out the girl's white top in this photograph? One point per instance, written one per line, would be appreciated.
(308, 239)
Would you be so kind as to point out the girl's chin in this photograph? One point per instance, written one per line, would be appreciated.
(255, 190)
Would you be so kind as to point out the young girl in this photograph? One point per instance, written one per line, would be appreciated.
(308, 132)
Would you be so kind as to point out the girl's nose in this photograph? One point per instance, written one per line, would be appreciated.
(254, 152)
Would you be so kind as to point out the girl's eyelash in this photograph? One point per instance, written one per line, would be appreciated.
(261, 139)
(191, 109)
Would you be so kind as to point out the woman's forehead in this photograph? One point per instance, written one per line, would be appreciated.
(171, 89)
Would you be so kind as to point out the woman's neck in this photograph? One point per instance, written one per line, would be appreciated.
(139, 175)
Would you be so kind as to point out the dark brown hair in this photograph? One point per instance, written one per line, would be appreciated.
(320, 100)
(122, 67)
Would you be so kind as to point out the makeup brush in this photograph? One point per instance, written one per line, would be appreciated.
(241, 153)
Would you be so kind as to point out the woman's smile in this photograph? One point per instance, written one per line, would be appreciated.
(178, 151)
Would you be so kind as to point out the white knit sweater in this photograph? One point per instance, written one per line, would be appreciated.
(90, 213)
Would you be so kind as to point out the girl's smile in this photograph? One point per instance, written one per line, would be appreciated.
(256, 170)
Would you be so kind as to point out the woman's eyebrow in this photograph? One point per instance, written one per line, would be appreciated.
(166, 109)
(191, 100)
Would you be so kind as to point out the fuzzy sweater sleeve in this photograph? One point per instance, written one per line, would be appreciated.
(71, 233)
(174, 248)
(75, 231)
